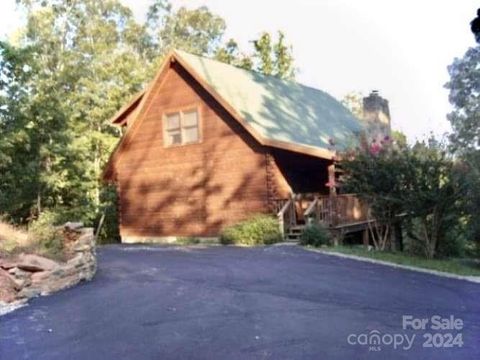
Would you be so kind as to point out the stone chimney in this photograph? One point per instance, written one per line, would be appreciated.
(376, 116)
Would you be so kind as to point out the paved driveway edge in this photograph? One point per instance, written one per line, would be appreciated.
(474, 279)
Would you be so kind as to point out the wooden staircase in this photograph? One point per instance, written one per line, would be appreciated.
(340, 213)
(294, 233)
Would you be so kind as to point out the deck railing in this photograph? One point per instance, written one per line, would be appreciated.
(331, 211)
(337, 210)
(287, 215)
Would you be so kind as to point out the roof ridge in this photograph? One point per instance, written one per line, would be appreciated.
(255, 72)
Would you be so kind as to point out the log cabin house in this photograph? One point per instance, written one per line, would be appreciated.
(207, 145)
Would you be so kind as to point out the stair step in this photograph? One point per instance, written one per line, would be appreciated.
(297, 229)
(293, 237)
(290, 238)
(294, 233)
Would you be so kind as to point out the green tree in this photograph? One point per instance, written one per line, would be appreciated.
(353, 101)
(263, 52)
(18, 163)
(375, 172)
(273, 57)
(471, 201)
(283, 58)
(197, 31)
(87, 60)
(432, 198)
(201, 32)
(464, 88)
(399, 138)
(229, 53)
(419, 184)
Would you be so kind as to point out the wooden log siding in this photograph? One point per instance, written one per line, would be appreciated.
(195, 189)
(278, 188)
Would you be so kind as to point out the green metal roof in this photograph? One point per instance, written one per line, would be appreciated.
(277, 109)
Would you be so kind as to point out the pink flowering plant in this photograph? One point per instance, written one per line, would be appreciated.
(410, 189)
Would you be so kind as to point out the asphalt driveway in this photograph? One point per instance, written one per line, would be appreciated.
(278, 302)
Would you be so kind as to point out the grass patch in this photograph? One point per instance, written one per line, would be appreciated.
(42, 238)
(12, 238)
(187, 240)
(469, 267)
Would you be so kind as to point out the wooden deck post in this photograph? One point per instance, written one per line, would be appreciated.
(281, 225)
(335, 238)
(365, 238)
(288, 209)
(331, 179)
(338, 236)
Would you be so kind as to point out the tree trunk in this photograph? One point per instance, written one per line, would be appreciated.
(39, 203)
(429, 249)
(398, 236)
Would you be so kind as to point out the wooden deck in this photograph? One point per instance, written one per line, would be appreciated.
(341, 214)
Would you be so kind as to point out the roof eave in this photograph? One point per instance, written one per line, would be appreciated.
(302, 148)
(108, 174)
(121, 115)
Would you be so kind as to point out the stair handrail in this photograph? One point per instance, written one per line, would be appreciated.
(281, 214)
(311, 209)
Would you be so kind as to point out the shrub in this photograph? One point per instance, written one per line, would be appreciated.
(315, 235)
(47, 239)
(452, 247)
(109, 233)
(452, 243)
(258, 230)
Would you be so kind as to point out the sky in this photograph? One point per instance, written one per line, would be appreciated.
(400, 47)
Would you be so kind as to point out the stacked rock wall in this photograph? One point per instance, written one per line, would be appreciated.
(29, 275)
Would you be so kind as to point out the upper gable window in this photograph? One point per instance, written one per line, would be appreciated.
(181, 128)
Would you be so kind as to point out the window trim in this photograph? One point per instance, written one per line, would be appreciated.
(181, 111)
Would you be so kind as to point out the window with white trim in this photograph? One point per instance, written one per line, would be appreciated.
(181, 128)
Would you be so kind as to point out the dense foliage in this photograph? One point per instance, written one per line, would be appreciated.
(67, 71)
(430, 190)
(315, 235)
(418, 187)
(258, 230)
(48, 239)
(464, 87)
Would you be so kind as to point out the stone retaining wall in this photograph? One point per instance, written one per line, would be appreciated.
(30, 275)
